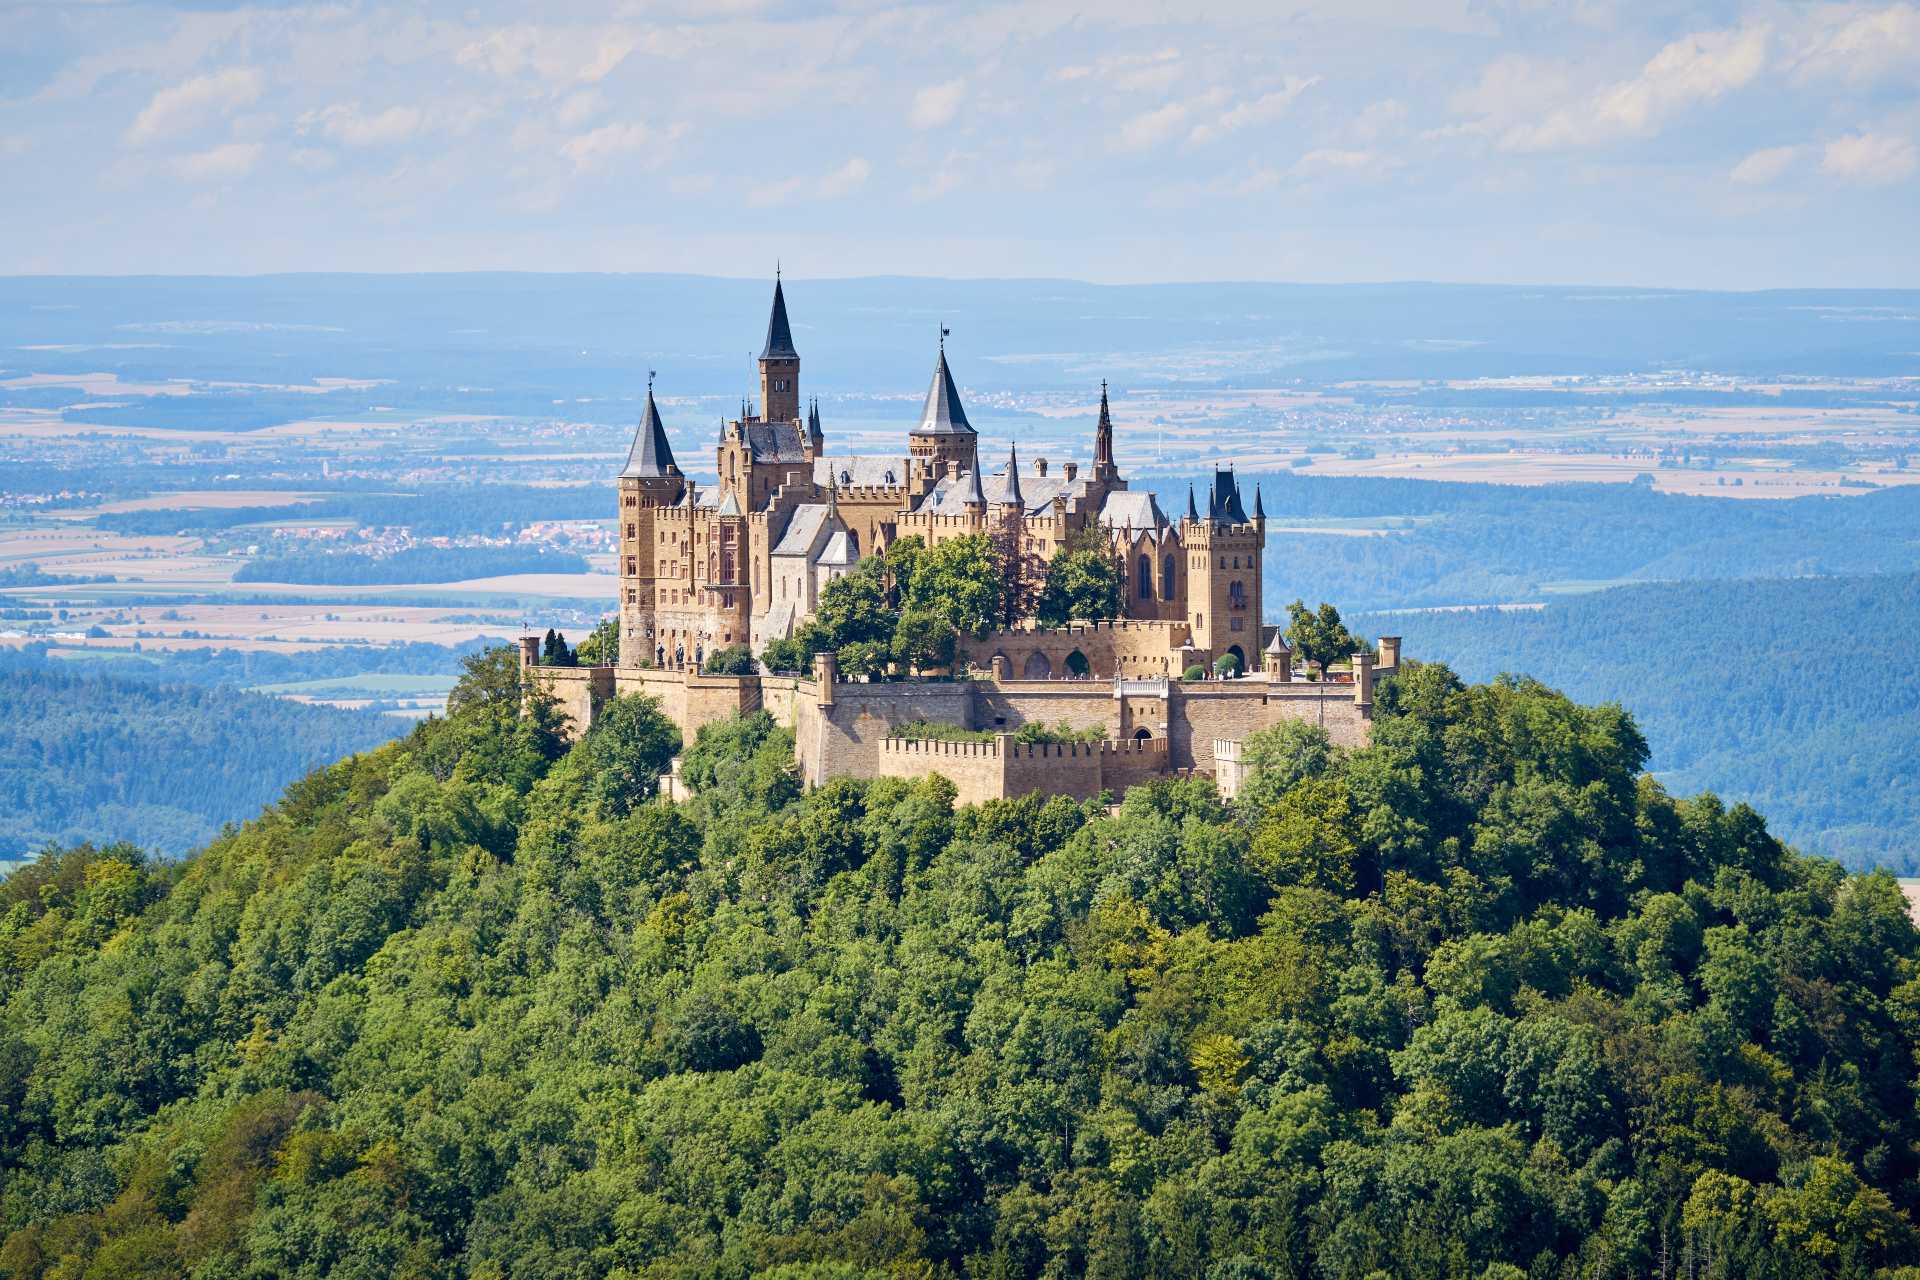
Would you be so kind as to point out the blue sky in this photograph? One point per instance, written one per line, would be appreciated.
(1708, 145)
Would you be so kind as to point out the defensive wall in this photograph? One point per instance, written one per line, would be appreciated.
(1151, 725)
(1003, 767)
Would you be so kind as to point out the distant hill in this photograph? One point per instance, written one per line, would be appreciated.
(1800, 696)
(92, 757)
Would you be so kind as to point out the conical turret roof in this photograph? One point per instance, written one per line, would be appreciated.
(651, 455)
(943, 414)
(779, 332)
(1013, 496)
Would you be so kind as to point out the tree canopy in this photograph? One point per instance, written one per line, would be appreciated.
(1477, 1000)
(1319, 636)
(1084, 582)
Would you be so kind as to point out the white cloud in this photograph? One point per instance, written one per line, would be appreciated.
(1151, 128)
(229, 161)
(594, 149)
(192, 102)
(1765, 166)
(937, 104)
(557, 55)
(345, 123)
(1154, 72)
(843, 181)
(1264, 109)
(1870, 159)
(1864, 48)
(1337, 162)
(1694, 69)
(579, 108)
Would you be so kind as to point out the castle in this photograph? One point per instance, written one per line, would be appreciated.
(743, 560)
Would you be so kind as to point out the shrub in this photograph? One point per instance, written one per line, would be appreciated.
(1195, 672)
(734, 660)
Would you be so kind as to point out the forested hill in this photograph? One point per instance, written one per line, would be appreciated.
(1479, 1000)
(1798, 695)
(93, 757)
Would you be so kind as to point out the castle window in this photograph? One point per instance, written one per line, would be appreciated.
(1146, 578)
(633, 597)
(632, 531)
(1166, 578)
(1237, 595)
(633, 567)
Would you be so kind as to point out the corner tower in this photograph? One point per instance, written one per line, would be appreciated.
(779, 364)
(1224, 553)
(649, 484)
(944, 435)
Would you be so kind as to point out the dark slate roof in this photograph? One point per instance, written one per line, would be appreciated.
(1011, 494)
(1193, 512)
(1224, 502)
(776, 441)
(974, 496)
(651, 455)
(1259, 512)
(779, 333)
(943, 415)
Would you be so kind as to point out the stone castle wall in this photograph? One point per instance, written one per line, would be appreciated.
(1152, 726)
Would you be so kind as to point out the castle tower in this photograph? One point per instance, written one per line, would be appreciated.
(944, 435)
(779, 365)
(648, 484)
(1224, 553)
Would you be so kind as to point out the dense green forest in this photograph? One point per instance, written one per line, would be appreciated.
(1479, 1000)
(1797, 695)
(415, 564)
(85, 756)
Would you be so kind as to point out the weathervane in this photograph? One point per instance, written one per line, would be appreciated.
(944, 331)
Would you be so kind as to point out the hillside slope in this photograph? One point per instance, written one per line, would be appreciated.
(1477, 1001)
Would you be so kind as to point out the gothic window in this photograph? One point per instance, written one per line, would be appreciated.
(1166, 578)
(633, 567)
(1146, 578)
(631, 531)
(1237, 594)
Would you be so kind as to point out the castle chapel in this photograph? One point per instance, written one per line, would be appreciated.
(742, 560)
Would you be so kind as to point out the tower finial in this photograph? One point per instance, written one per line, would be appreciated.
(944, 331)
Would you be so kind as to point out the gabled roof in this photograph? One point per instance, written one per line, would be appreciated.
(779, 333)
(775, 441)
(1131, 509)
(803, 530)
(842, 548)
(943, 414)
(844, 470)
(729, 505)
(651, 455)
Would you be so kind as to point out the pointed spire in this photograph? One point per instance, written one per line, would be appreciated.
(943, 414)
(651, 455)
(1259, 512)
(779, 332)
(1014, 498)
(1193, 512)
(1103, 434)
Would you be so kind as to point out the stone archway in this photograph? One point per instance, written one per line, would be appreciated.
(1078, 666)
(1239, 659)
(1036, 667)
(1143, 735)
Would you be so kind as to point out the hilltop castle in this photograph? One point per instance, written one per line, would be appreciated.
(742, 561)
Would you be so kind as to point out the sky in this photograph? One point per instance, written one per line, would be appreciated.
(1665, 143)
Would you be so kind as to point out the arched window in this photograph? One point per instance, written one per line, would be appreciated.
(1166, 577)
(1146, 578)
